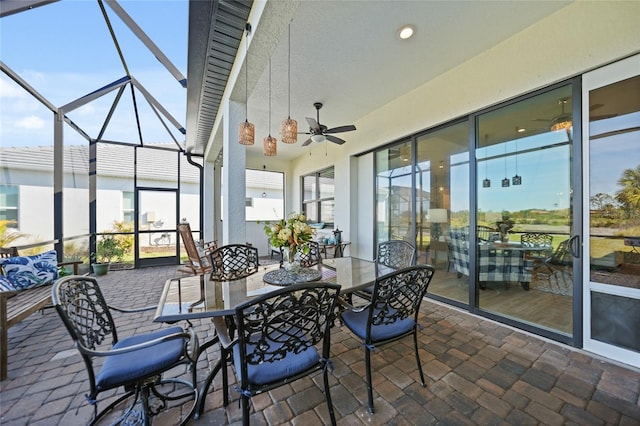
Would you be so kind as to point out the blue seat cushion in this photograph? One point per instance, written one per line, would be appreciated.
(357, 323)
(269, 372)
(130, 366)
(368, 289)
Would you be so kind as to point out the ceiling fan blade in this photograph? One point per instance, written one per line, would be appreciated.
(313, 123)
(335, 139)
(307, 142)
(595, 107)
(601, 117)
(340, 129)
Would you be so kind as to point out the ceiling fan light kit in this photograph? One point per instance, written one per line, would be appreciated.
(562, 121)
(319, 132)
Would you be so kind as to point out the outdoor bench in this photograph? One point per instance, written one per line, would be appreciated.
(16, 306)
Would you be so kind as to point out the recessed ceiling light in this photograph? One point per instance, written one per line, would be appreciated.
(406, 31)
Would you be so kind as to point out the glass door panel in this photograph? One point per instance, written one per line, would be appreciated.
(442, 204)
(157, 221)
(612, 275)
(393, 193)
(524, 211)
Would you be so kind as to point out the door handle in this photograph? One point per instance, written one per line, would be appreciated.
(574, 243)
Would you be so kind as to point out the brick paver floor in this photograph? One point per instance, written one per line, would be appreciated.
(478, 372)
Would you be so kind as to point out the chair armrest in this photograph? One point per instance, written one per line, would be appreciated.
(344, 304)
(132, 310)
(150, 343)
(220, 324)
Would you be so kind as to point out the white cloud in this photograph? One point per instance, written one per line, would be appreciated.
(9, 89)
(31, 122)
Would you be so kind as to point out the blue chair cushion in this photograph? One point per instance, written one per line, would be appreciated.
(130, 366)
(26, 272)
(269, 372)
(368, 289)
(357, 323)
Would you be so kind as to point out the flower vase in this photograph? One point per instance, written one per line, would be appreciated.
(290, 259)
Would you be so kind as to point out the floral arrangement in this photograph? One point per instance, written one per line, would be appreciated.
(289, 233)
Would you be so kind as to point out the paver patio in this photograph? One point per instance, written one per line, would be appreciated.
(477, 371)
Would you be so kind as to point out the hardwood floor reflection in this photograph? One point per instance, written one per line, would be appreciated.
(540, 308)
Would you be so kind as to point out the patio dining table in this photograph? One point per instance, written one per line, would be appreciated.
(189, 298)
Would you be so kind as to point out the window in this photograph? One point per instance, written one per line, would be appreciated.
(318, 196)
(264, 195)
(9, 205)
(127, 207)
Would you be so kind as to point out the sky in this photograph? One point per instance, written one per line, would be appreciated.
(68, 52)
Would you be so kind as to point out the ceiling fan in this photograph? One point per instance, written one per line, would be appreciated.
(566, 116)
(320, 133)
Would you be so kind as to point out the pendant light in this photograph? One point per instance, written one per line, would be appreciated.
(269, 144)
(289, 126)
(517, 180)
(264, 178)
(505, 182)
(247, 130)
(486, 183)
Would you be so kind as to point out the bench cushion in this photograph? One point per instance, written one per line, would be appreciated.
(31, 271)
(5, 284)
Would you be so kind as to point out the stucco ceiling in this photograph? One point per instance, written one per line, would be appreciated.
(347, 55)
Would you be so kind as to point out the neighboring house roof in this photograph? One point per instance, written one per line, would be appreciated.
(112, 160)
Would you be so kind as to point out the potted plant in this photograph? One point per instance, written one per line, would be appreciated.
(107, 249)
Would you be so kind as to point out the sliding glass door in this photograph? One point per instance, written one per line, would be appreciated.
(524, 234)
(612, 223)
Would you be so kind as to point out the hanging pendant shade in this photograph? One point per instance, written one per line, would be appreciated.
(289, 130)
(246, 132)
(289, 126)
(270, 146)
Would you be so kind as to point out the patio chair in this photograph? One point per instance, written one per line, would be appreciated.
(277, 337)
(391, 314)
(234, 261)
(558, 270)
(309, 259)
(199, 257)
(136, 363)
(537, 240)
(392, 254)
(487, 234)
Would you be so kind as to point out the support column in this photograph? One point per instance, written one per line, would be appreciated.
(234, 159)
(211, 201)
(58, 183)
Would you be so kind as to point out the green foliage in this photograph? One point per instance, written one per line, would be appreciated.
(6, 236)
(107, 249)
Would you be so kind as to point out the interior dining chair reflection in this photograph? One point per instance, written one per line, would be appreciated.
(391, 314)
(282, 336)
(136, 363)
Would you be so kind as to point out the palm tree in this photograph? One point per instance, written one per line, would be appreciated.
(629, 195)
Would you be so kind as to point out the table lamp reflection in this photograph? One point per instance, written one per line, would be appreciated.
(436, 217)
